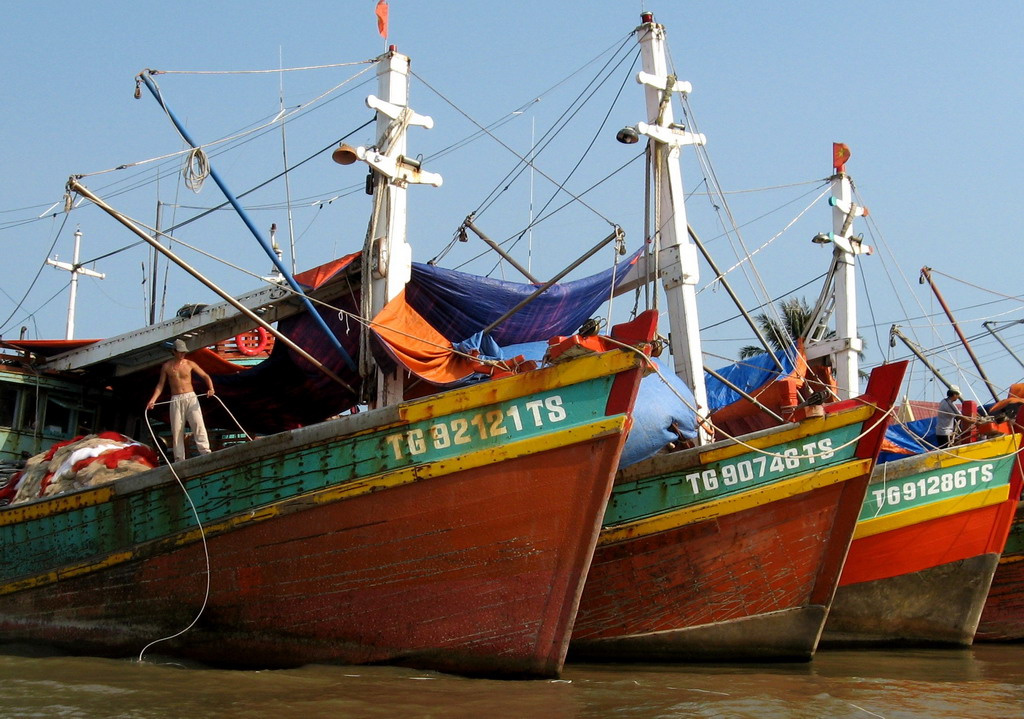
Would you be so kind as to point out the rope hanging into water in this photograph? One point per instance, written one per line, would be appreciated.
(202, 536)
(195, 513)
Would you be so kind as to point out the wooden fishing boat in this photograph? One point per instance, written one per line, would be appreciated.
(928, 541)
(452, 531)
(408, 534)
(1002, 618)
(932, 532)
(730, 550)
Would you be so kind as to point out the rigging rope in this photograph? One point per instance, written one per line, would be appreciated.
(223, 205)
(371, 61)
(583, 156)
(514, 152)
(196, 169)
(280, 116)
(202, 536)
(714, 430)
(32, 284)
(553, 212)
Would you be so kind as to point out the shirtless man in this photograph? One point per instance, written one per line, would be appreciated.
(177, 373)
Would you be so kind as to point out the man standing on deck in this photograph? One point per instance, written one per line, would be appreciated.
(177, 373)
(949, 417)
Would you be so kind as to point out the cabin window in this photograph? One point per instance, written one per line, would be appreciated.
(59, 417)
(8, 406)
(28, 413)
(86, 421)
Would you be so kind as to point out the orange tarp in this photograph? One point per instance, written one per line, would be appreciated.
(418, 346)
(1016, 397)
(318, 275)
(780, 395)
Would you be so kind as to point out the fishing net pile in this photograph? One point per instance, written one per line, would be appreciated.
(81, 462)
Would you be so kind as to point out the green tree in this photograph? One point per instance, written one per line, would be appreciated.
(794, 324)
(780, 333)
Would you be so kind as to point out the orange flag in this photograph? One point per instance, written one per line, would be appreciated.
(382, 18)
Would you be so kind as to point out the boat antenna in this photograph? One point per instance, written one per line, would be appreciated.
(75, 269)
(284, 153)
(387, 256)
(839, 293)
(679, 270)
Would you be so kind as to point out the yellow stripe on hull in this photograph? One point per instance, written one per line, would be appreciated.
(739, 502)
(56, 505)
(935, 510)
(995, 448)
(806, 428)
(555, 440)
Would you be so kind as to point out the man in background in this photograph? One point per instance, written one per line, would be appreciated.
(948, 422)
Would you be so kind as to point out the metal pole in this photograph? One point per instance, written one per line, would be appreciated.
(1000, 340)
(155, 268)
(75, 270)
(144, 76)
(74, 286)
(287, 175)
(553, 280)
(75, 186)
(894, 331)
(494, 246)
(743, 394)
(736, 300)
(926, 273)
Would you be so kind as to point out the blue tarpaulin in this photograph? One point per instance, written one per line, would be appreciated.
(912, 438)
(459, 305)
(662, 414)
(748, 375)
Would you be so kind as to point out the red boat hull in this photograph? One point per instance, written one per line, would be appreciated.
(925, 552)
(352, 582)
(919, 585)
(681, 573)
(1003, 616)
(754, 584)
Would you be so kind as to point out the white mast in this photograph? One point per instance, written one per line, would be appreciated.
(678, 254)
(846, 345)
(387, 256)
(75, 271)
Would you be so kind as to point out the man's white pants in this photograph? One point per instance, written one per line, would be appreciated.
(185, 408)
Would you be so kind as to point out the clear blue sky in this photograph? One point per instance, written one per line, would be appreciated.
(927, 95)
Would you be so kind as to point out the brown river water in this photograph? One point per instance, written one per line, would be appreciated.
(985, 681)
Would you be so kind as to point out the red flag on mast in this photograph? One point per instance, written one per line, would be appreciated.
(382, 18)
(840, 154)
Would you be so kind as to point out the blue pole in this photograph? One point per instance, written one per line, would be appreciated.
(151, 86)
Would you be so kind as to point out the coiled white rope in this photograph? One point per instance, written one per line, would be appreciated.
(196, 169)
